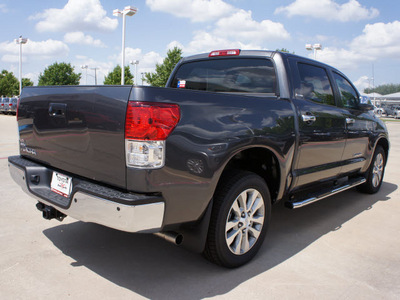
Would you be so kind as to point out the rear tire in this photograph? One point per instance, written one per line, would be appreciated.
(239, 220)
(375, 172)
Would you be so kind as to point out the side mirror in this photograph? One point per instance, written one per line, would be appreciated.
(365, 107)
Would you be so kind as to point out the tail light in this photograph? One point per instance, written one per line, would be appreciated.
(10, 104)
(18, 107)
(231, 52)
(147, 126)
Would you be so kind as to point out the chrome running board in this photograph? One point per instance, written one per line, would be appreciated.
(297, 203)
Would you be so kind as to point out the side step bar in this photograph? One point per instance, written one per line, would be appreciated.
(325, 193)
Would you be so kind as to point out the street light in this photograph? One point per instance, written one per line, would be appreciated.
(135, 62)
(95, 73)
(314, 47)
(128, 11)
(20, 41)
(85, 67)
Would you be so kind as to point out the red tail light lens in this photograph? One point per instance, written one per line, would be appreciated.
(17, 107)
(150, 121)
(230, 52)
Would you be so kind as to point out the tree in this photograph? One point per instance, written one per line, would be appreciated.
(26, 82)
(284, 50)
(59, 74)
(114, 77)
(9, 85)
(384, 89)
(160, 77)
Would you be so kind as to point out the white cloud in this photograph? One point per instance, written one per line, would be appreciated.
(205, 42)
(329, 10)
(39, 50)
(342, 58)
(379, 39)
(362, 83)
(74, 16)
(79, 37)
(4, 9)
(195, 10)
(243, 27)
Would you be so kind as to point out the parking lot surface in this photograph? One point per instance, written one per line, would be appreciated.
(343, 247)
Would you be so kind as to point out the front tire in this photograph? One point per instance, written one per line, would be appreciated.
(375, 172)
(239, 220)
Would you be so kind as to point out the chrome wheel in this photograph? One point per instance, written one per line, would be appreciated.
(245, 221)
(377, 171)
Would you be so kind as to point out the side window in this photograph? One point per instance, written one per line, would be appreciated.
(315, 84)
(348, 96)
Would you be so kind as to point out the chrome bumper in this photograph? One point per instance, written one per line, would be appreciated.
(90, 208)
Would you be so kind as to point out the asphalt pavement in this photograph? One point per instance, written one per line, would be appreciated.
(343, 247)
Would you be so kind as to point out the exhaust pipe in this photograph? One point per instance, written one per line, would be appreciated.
(172, 237)
(50, 212)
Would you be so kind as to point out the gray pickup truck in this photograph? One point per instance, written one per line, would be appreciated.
(201, 161)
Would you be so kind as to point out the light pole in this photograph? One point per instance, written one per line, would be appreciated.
(20, 41)
(85, 67)
(95, 75)
(128, 11)
(314, 47)
(135, 62)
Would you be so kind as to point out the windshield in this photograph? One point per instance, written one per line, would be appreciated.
(238, 75)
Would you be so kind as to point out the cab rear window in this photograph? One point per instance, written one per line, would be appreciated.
(238, 75)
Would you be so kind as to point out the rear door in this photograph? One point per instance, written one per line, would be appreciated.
(322, 135)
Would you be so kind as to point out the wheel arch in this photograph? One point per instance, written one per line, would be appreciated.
(261, 161)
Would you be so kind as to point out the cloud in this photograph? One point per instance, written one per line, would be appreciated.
(341, 58)
(195, 10)
(205, 41)
(4, 9)
(329, 10)
(242, 26)
(79, 37)
(39, 50)
(76, 15)
(238, 30)
(379, 39)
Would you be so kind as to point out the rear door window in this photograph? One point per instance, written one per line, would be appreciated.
(315, 84)
(239, 75)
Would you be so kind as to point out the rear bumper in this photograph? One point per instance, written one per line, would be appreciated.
(90, 202)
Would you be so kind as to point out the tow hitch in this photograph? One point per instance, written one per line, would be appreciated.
(50, 212)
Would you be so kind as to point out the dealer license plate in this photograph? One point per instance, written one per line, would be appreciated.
(61, 184)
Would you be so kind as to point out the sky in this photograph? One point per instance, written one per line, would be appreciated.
(359, 37)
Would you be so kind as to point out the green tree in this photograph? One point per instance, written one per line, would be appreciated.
(9, 85)
(26, 82)
(384, 89)
(160, 77)
(284, 50)
(114, 77)
(59, 74)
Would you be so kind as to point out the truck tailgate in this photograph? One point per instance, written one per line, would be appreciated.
(77, 129)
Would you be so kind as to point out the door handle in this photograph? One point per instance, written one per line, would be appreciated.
(308, 118)
(350, 121)
(57, 109)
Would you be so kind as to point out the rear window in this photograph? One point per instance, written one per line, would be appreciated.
(239, 75)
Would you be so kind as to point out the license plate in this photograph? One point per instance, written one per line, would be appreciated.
(61, 184)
